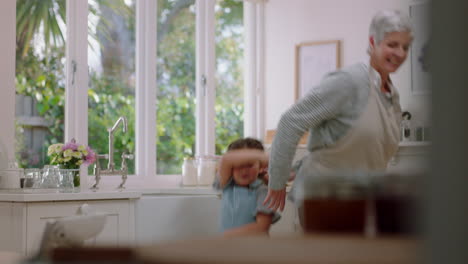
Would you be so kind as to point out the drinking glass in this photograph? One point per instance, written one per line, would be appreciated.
(50, 177)
(66, 180)
(32, 178)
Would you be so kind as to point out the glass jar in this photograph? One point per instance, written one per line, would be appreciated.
(207, 166)
(50, 177)
(32, 178)
(406, 128)
(67, 179)
(189, 172)
(335, 202)
(405, 131)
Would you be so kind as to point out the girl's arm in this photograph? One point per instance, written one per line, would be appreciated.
(261, 226)
(236, 158)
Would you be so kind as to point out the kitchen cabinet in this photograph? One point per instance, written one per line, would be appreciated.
(162, 218)
(22, 223)
(167, 217)
(411, 157)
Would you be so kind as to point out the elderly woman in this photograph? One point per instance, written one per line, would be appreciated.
(353, 115)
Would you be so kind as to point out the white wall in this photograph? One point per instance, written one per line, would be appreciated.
(7, 84)
(294, 21)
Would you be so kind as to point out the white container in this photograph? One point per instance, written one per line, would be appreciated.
(10, 178)
(207, 170)
(189, 172)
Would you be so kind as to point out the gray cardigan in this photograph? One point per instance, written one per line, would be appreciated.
(327, 111)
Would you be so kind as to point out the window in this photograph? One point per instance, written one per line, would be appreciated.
(176, 96)
(40, 79)
(179, 86)
(177, 78)
(229, 103)
(111, 68)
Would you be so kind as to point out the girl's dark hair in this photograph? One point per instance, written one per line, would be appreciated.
(246, 143)
(249, 143)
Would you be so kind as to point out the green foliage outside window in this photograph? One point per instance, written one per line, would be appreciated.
(42, 77)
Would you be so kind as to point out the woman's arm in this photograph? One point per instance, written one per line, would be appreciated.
(261, 226)
(236, 158)
(323, 102)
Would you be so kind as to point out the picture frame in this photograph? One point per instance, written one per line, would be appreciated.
(313, 61)
(420, 79)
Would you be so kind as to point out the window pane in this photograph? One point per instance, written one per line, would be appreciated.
(111, 59)
(176, 84)
(40, 79)
(229, 105)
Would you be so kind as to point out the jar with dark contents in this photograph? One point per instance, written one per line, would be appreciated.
(397, 204)
(334, 204)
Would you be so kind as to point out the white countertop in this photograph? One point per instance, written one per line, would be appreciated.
(42, 195)
(414, 144)
(186, 190)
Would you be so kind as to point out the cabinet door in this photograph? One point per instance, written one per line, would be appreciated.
(409, 159)
(118, 230)
(12, 233)
(175, 217)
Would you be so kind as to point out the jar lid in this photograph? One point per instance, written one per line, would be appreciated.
(334, 185)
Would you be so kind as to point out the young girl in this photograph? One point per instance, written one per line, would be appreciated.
(241, 180)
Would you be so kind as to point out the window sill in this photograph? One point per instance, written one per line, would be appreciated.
(155, 185)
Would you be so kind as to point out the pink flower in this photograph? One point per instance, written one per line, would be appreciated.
(70, 145)
(91, 157)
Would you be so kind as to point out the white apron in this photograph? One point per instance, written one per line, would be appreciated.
(367, 146)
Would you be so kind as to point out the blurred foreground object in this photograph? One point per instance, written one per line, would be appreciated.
(255, 249)
(362, 203)
(291, 250)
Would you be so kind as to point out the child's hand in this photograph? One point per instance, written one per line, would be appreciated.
(264, 159)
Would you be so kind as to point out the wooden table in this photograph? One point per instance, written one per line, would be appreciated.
(292, 249)
(9, 257)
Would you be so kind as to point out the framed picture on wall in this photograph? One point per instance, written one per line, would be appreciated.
(420, 79)
(313, 61)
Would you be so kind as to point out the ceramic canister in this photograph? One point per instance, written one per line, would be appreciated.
(10, 178)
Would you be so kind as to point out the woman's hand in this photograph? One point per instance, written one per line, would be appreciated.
(275, 199)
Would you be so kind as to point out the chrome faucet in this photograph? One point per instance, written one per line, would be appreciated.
(123, 120)
(110, 156)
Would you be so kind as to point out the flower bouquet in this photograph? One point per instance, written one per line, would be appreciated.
(71, 156)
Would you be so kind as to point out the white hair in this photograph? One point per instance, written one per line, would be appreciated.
(387, 21)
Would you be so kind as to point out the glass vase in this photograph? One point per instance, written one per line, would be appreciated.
(76, 174)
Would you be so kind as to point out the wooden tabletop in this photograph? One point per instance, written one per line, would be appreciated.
(10, 257)
(291, 249)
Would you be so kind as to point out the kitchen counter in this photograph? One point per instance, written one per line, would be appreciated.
(188, 190)
(42, 195)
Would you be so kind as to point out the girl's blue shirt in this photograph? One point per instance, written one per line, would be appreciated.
(240, 205)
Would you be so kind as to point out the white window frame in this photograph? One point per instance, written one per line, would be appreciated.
(76, 106)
